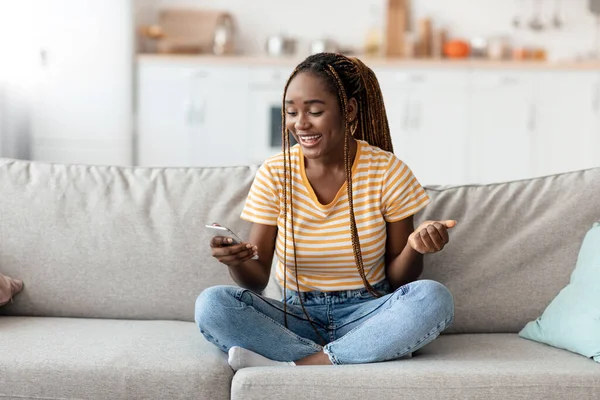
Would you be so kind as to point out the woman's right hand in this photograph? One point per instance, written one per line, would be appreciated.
(230, 254)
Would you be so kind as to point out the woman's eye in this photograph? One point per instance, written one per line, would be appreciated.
(291, 113)
(316, 113)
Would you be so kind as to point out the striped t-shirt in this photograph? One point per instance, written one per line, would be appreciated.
(384, 190)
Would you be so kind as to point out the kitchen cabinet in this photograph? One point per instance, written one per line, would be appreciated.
(265, 91)
(451, 126)
(192, 116)
(395, 89)
(428, 116)
(81, 108)
(163, 115)
(502, 122)
(567, 123)
(218, 118)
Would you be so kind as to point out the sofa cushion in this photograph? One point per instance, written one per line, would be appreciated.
(572, 320)
(114, 242)
(467, 366)
(514, 246)
(66, 358)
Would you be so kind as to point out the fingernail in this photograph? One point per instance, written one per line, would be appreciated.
(229, 240)
(248, 246)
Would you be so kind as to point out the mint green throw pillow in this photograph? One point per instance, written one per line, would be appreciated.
(572, 320)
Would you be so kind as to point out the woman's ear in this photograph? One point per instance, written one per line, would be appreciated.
(352, 109)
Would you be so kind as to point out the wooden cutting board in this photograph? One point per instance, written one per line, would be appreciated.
(397, 20)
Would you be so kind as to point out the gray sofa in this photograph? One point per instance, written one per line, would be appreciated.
(114, 258)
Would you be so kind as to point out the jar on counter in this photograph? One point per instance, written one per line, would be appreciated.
(521, 53)
(498, 49)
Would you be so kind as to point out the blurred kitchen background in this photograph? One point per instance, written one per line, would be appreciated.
(476, 90)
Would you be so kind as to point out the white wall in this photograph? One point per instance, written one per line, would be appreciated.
(81, 93)
(348, 20)
(17, 71)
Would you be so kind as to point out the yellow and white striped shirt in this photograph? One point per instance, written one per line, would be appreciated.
(384, 190)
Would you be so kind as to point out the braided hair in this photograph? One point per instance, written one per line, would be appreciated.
(347, 78)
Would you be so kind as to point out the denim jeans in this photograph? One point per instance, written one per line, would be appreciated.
(356, 327)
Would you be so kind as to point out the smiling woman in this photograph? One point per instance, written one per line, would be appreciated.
(337, 209)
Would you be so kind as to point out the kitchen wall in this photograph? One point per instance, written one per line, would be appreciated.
(347, 21)
(17, 70)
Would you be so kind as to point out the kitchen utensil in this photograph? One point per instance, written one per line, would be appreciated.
(189, 31)
(425, 35)
(521, 54)
(224, 36)
(498, 48)
(323, 46)
(516, 22)
(557, 20)
(479, 47)
(280, 45)
(457, 48)
(536, 23)
(440, 36)
(373, 44)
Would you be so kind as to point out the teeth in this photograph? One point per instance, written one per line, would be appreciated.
(310, 137)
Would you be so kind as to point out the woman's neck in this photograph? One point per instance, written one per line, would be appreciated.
(333, 161)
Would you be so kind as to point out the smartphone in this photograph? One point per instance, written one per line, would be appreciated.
(218, 230)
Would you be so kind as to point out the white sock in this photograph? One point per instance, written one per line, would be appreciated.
(241, 358)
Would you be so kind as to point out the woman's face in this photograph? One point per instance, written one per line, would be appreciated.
(314, 117)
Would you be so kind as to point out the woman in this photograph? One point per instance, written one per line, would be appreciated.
(337, 208)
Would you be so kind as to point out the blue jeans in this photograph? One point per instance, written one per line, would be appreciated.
(357, 327)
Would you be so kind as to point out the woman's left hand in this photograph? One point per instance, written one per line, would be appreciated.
(430, 236)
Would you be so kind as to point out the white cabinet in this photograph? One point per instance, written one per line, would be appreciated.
(82, 108)
(164, 114)
(428, 116)
(192, 116)
(437, 140)
(567, 122)
(501, 125)
(395, 90)
(218, 118)
(265, 99)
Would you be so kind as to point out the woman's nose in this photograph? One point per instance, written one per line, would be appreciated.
(302, 122)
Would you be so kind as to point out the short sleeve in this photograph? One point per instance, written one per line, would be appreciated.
(262, 203)
(402, 194)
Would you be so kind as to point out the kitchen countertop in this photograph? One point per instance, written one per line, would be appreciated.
(266, 61)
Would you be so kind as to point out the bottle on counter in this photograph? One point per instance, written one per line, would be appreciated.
(425, 34)
(374, 39)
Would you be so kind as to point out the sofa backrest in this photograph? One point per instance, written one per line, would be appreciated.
(121, 242)
(514, 247)
(112, 242)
